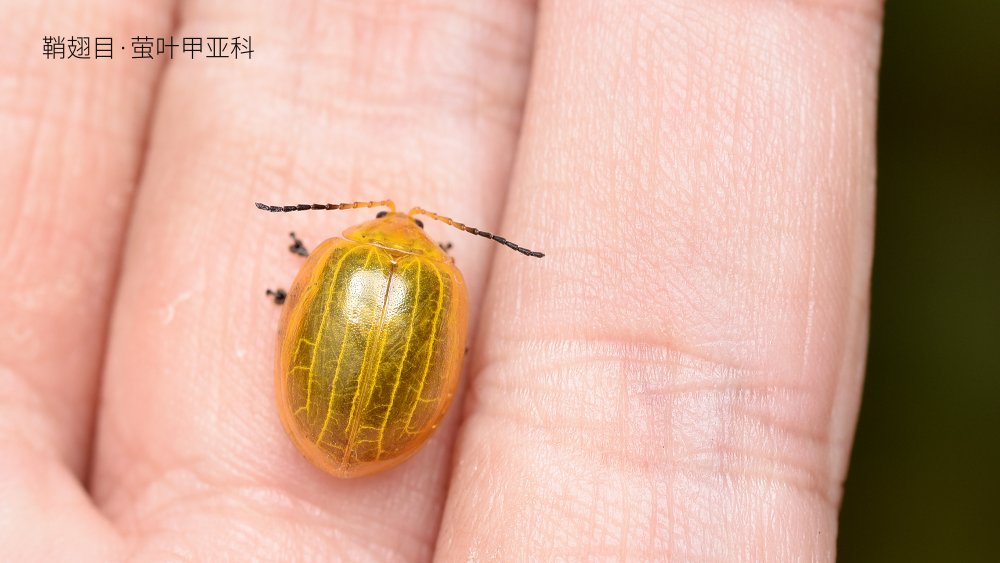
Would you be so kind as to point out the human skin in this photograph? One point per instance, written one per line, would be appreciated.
(678, 379)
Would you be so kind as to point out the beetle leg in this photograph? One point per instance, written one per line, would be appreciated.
(279, 296)
(445, 247)
(297, 247)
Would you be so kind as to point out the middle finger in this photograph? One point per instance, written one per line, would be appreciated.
(353, 101)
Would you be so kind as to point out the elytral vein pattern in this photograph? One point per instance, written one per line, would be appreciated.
(374, 354)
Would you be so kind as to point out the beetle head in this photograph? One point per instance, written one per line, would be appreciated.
(397, 231)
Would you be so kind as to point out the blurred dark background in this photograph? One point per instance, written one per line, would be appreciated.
(924, 482)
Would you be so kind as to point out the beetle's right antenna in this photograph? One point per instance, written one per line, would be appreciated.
(326, 206)
(475, 231)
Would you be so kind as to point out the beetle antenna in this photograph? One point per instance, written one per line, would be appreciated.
(475, 231)
(326, 206)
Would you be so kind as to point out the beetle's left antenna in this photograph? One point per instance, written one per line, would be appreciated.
(326, 206)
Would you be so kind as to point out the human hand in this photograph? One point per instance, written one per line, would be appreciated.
(678, 379)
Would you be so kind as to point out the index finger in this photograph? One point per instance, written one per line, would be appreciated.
(680, 378)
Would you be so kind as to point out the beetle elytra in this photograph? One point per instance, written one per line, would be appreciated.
(371, 341)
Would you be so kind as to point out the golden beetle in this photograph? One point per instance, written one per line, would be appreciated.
(371, 341)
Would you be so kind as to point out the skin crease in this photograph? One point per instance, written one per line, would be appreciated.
(678, 379)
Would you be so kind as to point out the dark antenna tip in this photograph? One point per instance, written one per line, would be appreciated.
(326, 206)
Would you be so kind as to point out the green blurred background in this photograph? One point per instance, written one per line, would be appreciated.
(924, 482)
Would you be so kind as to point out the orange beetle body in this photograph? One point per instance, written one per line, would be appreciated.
(370, 347)
(371, 341)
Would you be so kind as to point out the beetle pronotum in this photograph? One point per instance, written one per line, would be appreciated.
(371, 340)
